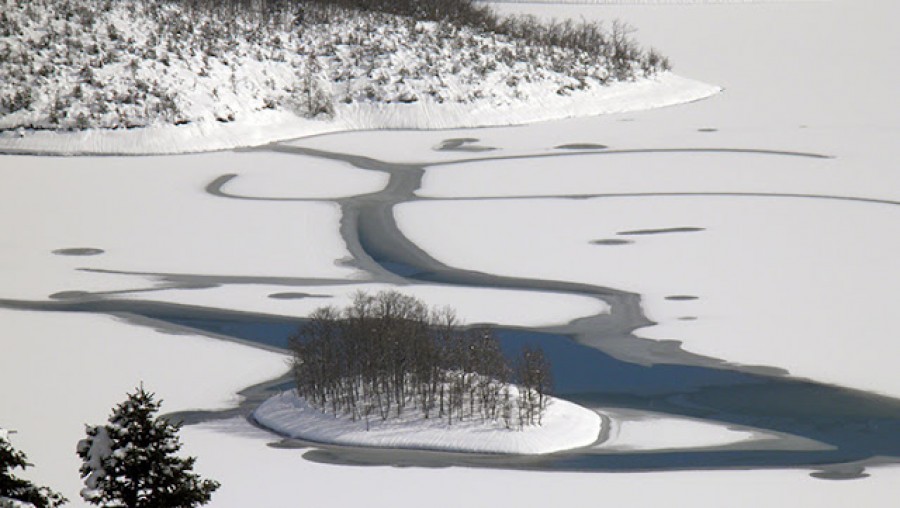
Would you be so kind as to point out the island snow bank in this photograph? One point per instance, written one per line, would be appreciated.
(255, 128)
(565, 426)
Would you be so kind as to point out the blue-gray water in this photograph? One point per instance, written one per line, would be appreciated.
(858, 425)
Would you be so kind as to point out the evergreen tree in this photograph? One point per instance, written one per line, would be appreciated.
(16, 492)
(131, 463)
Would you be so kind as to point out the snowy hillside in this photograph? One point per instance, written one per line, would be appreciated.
(79, 64)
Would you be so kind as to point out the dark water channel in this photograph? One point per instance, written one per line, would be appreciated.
(843, 430)
(855, 426)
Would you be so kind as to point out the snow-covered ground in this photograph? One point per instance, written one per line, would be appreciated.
(564, 426)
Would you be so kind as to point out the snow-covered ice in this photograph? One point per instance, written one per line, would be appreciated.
(766, 281)
(655, 432)
(286, 477)
(287, 176)
(151, 214)
(564, 426)
(472, 305)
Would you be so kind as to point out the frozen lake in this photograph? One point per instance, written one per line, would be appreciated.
(721, 274)
(623, 322)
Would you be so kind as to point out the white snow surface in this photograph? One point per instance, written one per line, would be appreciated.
(289, 176)
(261, 127)
(564, 426)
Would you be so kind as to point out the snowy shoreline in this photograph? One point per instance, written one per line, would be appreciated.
(565, 426)
(259, 128)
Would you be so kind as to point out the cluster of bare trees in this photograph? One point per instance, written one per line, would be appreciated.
(388, 354)
(614, 44)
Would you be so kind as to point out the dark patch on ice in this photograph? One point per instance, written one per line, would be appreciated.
(288, 443)
(462, 145)
(69, 295)
(841, 472)
(406, 457)
(687, 318)
(660, 231)
(611, 241)
(708, 129)
(79, 251)
(327, 457)
(582, 146)
(626, 119)
(295, 296)
(682, 298)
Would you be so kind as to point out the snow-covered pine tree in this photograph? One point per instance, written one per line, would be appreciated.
(131, 462)
(16, 492)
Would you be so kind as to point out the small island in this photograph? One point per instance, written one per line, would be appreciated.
(387, 371)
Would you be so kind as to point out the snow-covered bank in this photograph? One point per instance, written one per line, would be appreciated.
(565, 426)
(258, 128)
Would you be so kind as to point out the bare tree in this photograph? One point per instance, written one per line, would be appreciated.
(535, 384)
(386, 353)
